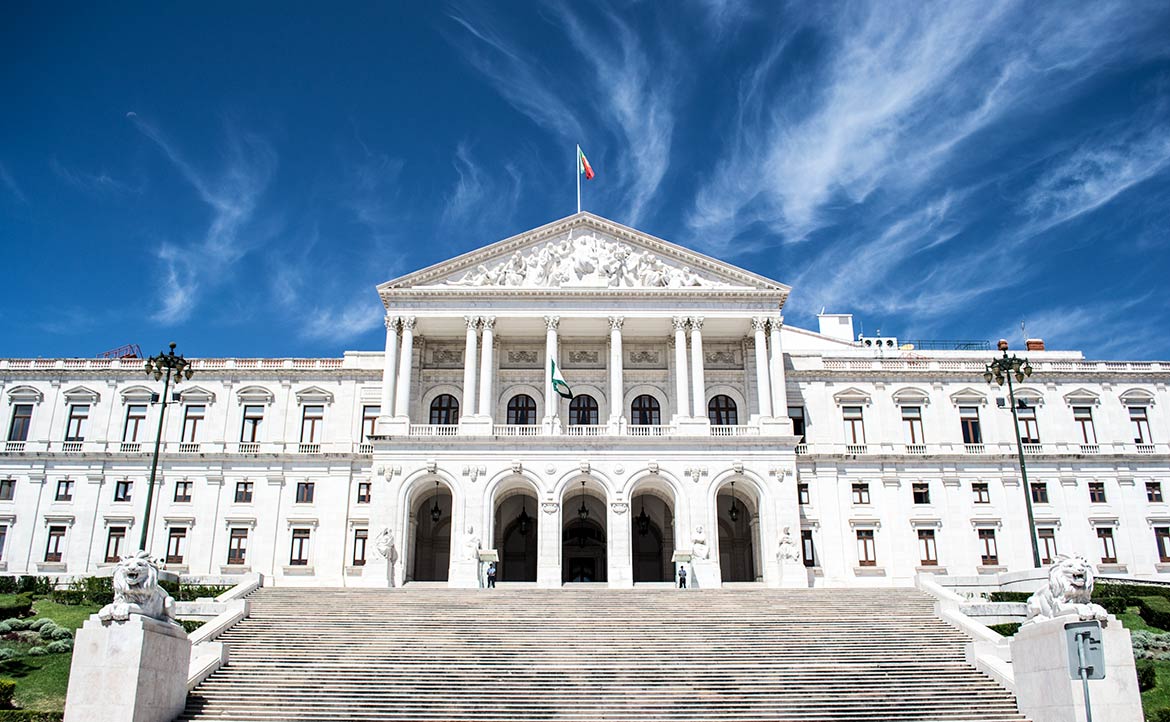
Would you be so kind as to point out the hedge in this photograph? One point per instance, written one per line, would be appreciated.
(1115, 605)
(28, 715)
(1155, 715)
(19, 605)
(1009, 596)
(1155, 610)
(1124, 589)
(1007, 629)
(7, 689)
(191, 592)
(1147, 675)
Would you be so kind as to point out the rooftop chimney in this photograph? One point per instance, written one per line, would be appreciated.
(837, 325)
(1034, 344)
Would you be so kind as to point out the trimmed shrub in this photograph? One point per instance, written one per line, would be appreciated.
(7, 653)
(1130, 589)
(1007, 629)
(1114, 605)
(7, 689)
(191, 624)
(1155, 715)
(1009, 596)
(28, 715)
(57, 634)
(1147, 675)
(191, 592)
(68, 597)
(171, 587)
(1155, 611)
(38, 651)
(39, 623)
(16, 606)
(37, 586)
(16, 625)
(60, 646)
(8, 585)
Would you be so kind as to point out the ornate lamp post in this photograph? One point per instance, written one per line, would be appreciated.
(164, 364)
(999, 369)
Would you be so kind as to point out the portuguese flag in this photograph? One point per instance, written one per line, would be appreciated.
(583, 164)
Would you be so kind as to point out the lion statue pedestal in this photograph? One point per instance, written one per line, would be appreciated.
(130, 660)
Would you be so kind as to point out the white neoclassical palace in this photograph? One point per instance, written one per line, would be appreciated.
(694, 428)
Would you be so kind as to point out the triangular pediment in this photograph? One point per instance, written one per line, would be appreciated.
(581, 253)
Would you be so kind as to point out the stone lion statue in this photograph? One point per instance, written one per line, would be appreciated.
(1068, 593)
(136, 591)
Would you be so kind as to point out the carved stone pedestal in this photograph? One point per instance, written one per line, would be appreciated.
(705, 574)
(1045, 690)
(132, 671)
(465, 574)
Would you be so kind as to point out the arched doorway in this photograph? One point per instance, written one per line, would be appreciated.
(651, 536)
(431, 519)
(583, 535)
(736, 507)
(515, 535)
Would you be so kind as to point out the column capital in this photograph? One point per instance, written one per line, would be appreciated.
(489, 322)
(759, 323)
(776, 321)
(392, 322)
(696, 323)
(472, 322)
(408, 323)
(680, 323)
(552, 322)
(615, 322)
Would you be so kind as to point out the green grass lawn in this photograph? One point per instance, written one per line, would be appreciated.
(41, 682)
(70, 617)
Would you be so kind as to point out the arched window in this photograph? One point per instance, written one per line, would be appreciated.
(645, 412)
(522, 410)
(583, 410)
(445, 409)
(722, 412)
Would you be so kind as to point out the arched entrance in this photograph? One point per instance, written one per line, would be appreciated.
(652, 536)
(737, 510)
(583, 534)
(515, 535)
(431, 521)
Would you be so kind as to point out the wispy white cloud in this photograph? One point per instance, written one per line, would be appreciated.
(233, 195)
(480, 196)
(1108, 329)
(345, 322)
(10, 183)
(101, 182)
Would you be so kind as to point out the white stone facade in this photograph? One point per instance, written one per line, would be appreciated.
(283, 466)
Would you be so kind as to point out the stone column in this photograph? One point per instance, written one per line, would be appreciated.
(699, 383)
(682, 400)
(619, 556)
(763, 388)
(776, 367)
(405, 364)
(487, 369)
(551, 399)
(388, 367)
(616, 395)
(548, 549)
(469, 359)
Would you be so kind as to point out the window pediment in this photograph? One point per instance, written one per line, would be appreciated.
(911, 396)
(969, 397)
(196, 395)
(1082, 397)
(1137, 397)
(1031, 396)
(254, 395)
(82, 395)
(25, 395)
(139, 394)
(314, 395)
(851, 395)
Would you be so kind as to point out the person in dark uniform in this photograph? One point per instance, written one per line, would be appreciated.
(491, 574)
(682, 577)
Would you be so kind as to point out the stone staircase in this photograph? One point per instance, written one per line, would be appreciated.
(596, 654)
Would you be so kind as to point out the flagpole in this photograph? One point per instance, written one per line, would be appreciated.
(577, 167)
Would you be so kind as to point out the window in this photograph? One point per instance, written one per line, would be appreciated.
(370, 416)
(806, 543)
(238, 546)
(7, 489)
(721, 410)
(912, 421)
(305, 492)
(445, 409)
(969, 420)
(1083, 416)
(644, 411)
(1047, 544)
(796, 413)
(926, 548)
(176, 544)
(1108, 550)
(244, 492)
(1161, 537)
(854, 426)
(521, 410)
(1154, 491)
(299, 557)
(122, 490)
(921, 492)
(183, 491)
(192, 418)
(982, 495)
(1097, 492)
(78, 421)
(253, 417)
(861, 493)
(3, 539)
(802, 494)
(866, 552)
(1039, 492)
(583, 410)
(989, 554)
(64, 490)
(363, 494)
(21, 421)
(1029, 431)
(359, 546)
(1141, 424)
(56, 544)
(114, 544)
(311, 421)
(135, 420)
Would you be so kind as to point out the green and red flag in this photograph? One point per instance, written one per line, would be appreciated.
(583, 164)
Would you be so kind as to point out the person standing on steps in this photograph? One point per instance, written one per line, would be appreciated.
(682, 577)
(491, 574)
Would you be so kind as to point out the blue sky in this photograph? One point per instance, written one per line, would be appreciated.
(238, 177)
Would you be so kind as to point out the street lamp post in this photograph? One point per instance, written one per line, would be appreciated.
(1005, 368)
(159, 366)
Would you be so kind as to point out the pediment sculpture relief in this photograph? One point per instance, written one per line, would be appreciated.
(586, 261)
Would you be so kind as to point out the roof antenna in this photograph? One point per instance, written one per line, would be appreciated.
(1023, 330)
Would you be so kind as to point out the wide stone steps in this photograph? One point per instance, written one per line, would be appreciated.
(578, 654)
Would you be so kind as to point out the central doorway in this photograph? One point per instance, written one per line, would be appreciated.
(652, 538)
(583, 536)
(431, 518)
(516, 536)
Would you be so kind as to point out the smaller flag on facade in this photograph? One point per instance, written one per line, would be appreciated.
(558, 382)
(583, 164)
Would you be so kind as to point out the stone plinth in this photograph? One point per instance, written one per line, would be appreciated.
(133, 671)
(705, 574)
(1045, 690)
